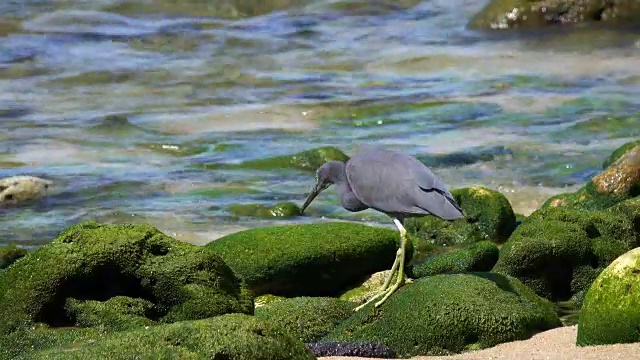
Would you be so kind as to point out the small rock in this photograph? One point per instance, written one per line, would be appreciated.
(18, 189)
(9, 254)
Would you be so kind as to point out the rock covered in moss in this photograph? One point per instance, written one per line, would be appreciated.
(488, 216)
(481, 256)
(559, 252)
(309, 160)
(231, 336)
(360, 349)
(266, 299)
(372, 285)
(504, 14)
(610, 312)
(281, 210)
(451, 313)
(118, 313)
(620, 180)
(307, 260)
(94, 262)
(9, 254)
(307, 318)
(18, 189)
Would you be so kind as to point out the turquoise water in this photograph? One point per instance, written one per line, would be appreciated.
(118, 103)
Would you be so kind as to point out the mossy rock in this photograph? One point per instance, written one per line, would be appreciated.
(481, 256)
(619, 181)
(92, 263)
(307, 318)
(231, 336)
(360, 293)
(308, 260)
(488, 216)
(266, 299)
(281, 210)
(9, 254)
(118, 313)
(559, 252)
(503, 14)
(610, 312)
(631, 209)
(309, 160)
(446, 314)
(24, 341)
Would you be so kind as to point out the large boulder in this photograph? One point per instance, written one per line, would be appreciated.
(610, 313)
(559, 252)
(481, 256)
(231, 336)
(620, 180)
(77, 278)
(307, 318)
(504, 14)
(488, 216)
(307, 260)
(445, 314)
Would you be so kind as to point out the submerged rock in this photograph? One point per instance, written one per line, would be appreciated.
(91, 275)
(307, 260)
(488, 216)
(447, 314)
(19, 189)
(481, 256)
(610, 313)
(504, 14)
(231, 336)
(9, 254)
(281, 210)
(307, 318)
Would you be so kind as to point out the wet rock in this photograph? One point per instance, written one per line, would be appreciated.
(282, 210)
(19, 189)
(9, 254)
(71, 280)
(231, 336)
(307, 318)
(504, 14)
(117, 313)
(610, 313)
(369, 350)
(559, 252)
(466, 157)
(175, 149)
(445, 314)
(307, 260)
(488, 216)
(8, 26)
(481, 256)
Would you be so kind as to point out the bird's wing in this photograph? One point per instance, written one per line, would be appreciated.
(396, 183)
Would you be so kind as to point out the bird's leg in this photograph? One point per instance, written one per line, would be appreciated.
(401, 252)
(398, 265)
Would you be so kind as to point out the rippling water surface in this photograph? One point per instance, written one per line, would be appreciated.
(118, 101)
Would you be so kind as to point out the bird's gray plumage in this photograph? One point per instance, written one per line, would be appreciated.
(399, 185)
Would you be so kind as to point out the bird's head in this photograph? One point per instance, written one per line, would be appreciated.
(328, 174)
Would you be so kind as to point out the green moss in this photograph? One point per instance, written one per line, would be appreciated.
(118, 313)
(585, 198)
(631, 209)
(307, 260)
(480, 256)
(9, 254)
(488, 216)
(284, 210)
(266, 299)
(91, 261)
(617, 153)
(232, 336)
(23, 342)
(309, 160)
(307, 318)
(610, 312)
(360, 293)
(446, 314)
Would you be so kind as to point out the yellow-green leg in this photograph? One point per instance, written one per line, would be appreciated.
(396, 269)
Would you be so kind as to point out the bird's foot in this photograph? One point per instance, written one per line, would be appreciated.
(385, 294)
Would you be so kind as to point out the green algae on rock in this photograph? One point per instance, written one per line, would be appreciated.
(9, 254)
(481, 256)
(445, 314)
(307, 318)
(503, 14)
(307, 260)
(117, 313)
(559, 252)
(309, 160)
(95, 262)
(488, 216)
(231, 336)
(610, 312)
(281, 210)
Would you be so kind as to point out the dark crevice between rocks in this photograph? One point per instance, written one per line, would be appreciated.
(101, 284)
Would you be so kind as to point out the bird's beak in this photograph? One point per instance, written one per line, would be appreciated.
(317, 189)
